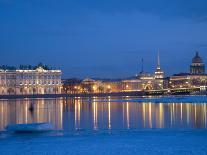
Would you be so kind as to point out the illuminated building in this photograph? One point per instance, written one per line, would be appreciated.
(188, 81)
(71, 86)
(90, 85)
(142, 82)
(145, 81)
(197, 67)
(112, 86)
(159, 74)
(155, 83)
(30, 81)
(196, 79)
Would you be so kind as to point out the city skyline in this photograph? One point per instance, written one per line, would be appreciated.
(103, 77)
(104, 38)
(142, 68)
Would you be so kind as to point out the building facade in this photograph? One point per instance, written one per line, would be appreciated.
(142, 82)
(145, 81)
(36, 81)
(197, 66)
(180, 81)
(89, 85)
(193, 81)
(159, 74)
(196, 79)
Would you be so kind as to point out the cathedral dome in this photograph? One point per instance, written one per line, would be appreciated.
(197, 59)
(197, 67)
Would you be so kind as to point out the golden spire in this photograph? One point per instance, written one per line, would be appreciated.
(158, 59)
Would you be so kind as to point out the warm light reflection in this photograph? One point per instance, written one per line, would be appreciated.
(195, 113)
(95, 120)
(61, 114)
(25, 112)
(78, 113)
(109, 112)
(161, 115)
(181, 111)
(128, 124)
(17, 111)
(144, 118)
(173, 113)
(204, 111)
(150, 115)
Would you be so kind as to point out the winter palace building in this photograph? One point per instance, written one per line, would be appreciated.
(34, 81)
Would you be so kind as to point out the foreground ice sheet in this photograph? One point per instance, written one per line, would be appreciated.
(152, 141)
(26, 128)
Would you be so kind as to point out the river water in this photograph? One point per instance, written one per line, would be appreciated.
(91, 114)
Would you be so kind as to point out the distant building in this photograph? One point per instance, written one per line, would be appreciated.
(142, 82)
(30, 81)
(112, 85)
(189, 81)
(89, 85)
(71, 86)
(197, 66)
(154, 83)
(146, 81)
(196, 79)
(159, 74)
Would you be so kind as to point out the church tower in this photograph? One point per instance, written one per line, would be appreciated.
(159, 74)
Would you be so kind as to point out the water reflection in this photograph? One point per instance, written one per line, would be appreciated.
(78, 113)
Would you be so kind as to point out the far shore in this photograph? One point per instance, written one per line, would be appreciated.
(135, 93)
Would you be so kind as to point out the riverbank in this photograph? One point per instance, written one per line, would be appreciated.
(136, 93)
(162, 99)
(140, 94)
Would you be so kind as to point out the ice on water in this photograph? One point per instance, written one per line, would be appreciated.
(33, 127)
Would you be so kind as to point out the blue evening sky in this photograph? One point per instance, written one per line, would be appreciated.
(103, 38)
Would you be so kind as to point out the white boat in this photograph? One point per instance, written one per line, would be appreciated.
(30, 128)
